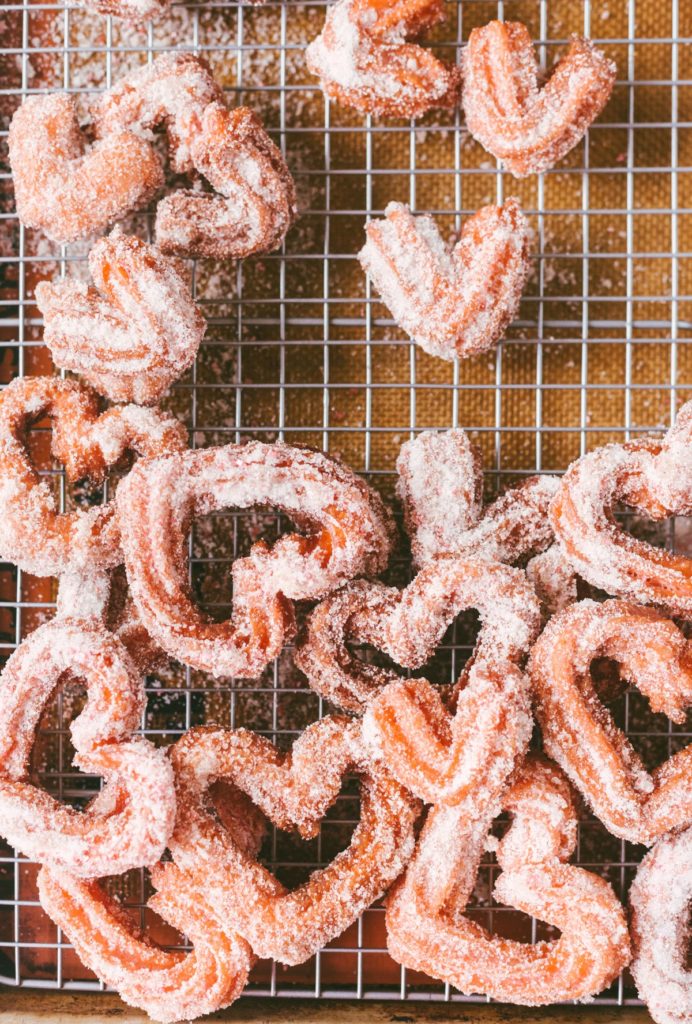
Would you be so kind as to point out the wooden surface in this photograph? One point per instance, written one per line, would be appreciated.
(25, 1007)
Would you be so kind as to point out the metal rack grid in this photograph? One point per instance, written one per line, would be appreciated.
(300, 349)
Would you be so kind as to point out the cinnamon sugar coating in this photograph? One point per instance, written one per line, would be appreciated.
(453, 302)
(660, 907)
(441, 754)
(133, 334)
(129, 10)
(71, 194)
(70, 190)
(255, 200)
(295, 791)
(33, 534)
(169, 985)
(427, 929)
(364, 60)
(654, 476)
(103, 595)
(130, 830)
(440, 486)
(579, 732)
(171, 93)
(348, 531)
(529, 128)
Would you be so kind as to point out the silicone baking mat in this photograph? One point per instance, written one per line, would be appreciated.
(298, 348)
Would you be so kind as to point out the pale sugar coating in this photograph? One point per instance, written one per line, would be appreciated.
(428, 931)
(553, 579)
(440, 486)
(660, 910)
(295, 791)
(409, 624)
(363, 59)
(133, 334)
(441, 756)
(253, 203)
(348, 532)
(453, 302)
(654, 476)
(103, 595)
(129, 10)
(66, 189)
(33, 534)
(445, 755)
(172, 92)
(255, 200)
(579, 732)
(133, 830)
(526, 127)
(169, 985)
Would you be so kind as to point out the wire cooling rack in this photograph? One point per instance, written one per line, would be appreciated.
(298, 348)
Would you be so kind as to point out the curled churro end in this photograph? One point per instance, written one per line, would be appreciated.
(129, 830)
(440, 486)
(33, 534)
(527, 128)
(579, 733)
(660, 905)
(455, 302)
(363, 59)
(348, 532)
(255, 201)
(133, 334)
(428, 931)
(64, 188)
(169, 986)
(295, 791)
(655, 477)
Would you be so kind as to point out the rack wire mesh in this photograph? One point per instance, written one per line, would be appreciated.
(299, 348)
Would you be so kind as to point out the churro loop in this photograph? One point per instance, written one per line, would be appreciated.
(170, 986)
(527, 128)
(170, 93)
(439, 756)
(428, 930)
(580, 734)
(64, 188)
(33, 534)
(294, 790)
(255, 202)
(133, 334)
(660, 905)
(453, 302)
(363, 59)
(653, 475)
(133, 829)
(348, 532)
